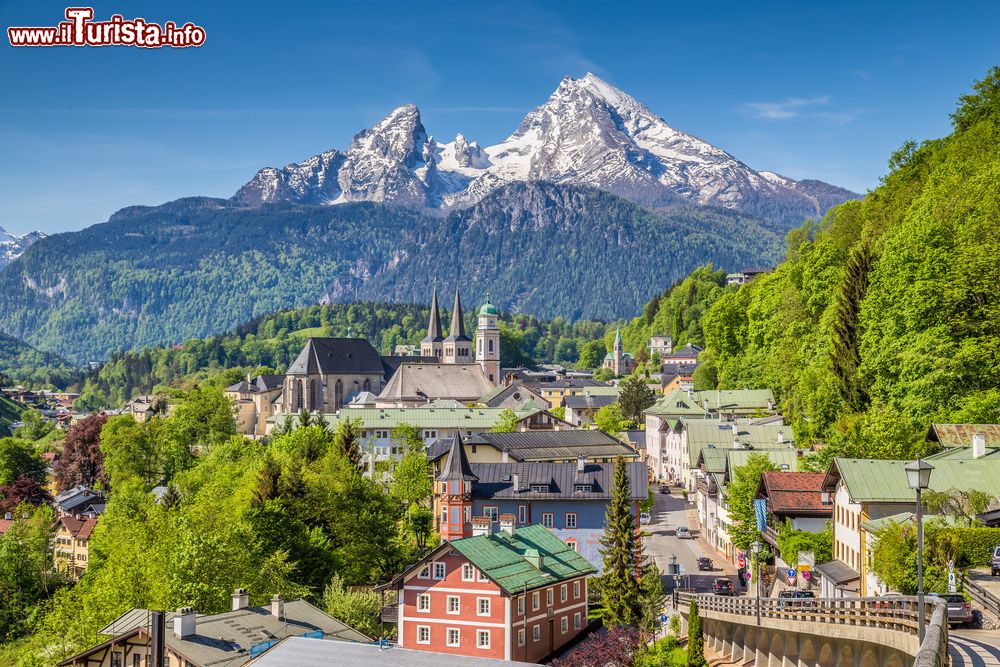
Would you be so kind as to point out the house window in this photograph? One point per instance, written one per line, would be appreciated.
(492, 511)
(571, 519)
(468, 572)
(572, 544)
(424, 602)
(480, 576)
(536, 602)
(454, 637)
(520, 606)
(522, 514)
(583, 488)
(456, 514)
(549, 595)
(136, 660)
(576, 588)
(536, 633)
(482, 638)
(468, 513)
(444, 514)
(576, 621)
(563, 593)
(116, 660)
(483, 606)
(454, 605)
(520, 637)
(489, 344)
(539, 488)
(548, 519)
(438, 570)
(425, 572)
(423, 634)
(564, 624)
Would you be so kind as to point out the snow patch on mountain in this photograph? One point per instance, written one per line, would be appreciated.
(12, 246)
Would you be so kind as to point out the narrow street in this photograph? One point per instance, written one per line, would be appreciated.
(974, 648)
(669, 512)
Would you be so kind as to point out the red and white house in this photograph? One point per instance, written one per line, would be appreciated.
(517, 594)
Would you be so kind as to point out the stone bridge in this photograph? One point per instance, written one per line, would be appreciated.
(836, 632)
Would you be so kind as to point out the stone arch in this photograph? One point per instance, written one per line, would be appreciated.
(894, 660)
(807, 652)
(827, 657)
(777, 649)
(869, 658)
(791, 650)
(846, 658)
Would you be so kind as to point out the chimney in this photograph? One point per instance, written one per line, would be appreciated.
(507, 523)
(482, 525)
(824, 497)
(278, 607)
(770, 405)
(504, 458)
(781, 437)
(581, 463)
(8, 516)
(978, 445)
(535, 558)
(157, 638)
(240, 599)
(515, 483)
(184, 623)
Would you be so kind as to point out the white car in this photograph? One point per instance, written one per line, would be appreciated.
(683, 533)
(645, 519)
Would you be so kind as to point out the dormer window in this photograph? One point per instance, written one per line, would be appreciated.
(539, 488)
(583, 488)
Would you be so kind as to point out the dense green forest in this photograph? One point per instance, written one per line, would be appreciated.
(196, 267)
(22, 363)
(273, 342)
(885, 316)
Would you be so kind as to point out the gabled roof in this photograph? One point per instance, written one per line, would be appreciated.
(736, 400)
(795, 493)
(79, 528)
(554, 445)
(425, 417)
(689, 351)
(702, 433)
(837, 572)
(589, 402)
(261, 383)
(496, 481)
(786, 459)
(876, 480)
(456, 466)
(960, 435)
(434, 324)
(303, 652)
(425, 382)
(677, 404)
(337, 355)
(960, 453)
(502, 558)
(568, 383)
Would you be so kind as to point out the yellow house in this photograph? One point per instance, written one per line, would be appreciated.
(72, 544)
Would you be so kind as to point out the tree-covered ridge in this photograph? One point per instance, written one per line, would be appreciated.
(273, 342)
(20, 362)
(885, 316)
(196, 267)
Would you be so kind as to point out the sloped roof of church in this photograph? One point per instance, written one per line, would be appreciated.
(457, 333)
(462, 382)
(336, 355)
(434, 324)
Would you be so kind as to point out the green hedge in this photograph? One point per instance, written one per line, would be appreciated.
(975, 545)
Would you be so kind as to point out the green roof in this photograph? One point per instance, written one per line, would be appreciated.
(702, 433)
(874, 525)
(715, 459)
(458, 418)
(736, 400)
(488, 309)
(779, 457)
(874, 480)
(677, 404)
(612, 390)
(962, 453)
(502, 558)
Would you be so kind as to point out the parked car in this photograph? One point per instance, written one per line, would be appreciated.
(683, 533)
(723, 586)
(664, 488)
(996, 561)
(794, 598)
(706, 564)
(959, 609)
(645, 519)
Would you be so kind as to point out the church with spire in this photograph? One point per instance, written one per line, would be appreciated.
(618, 360)
(457, 347)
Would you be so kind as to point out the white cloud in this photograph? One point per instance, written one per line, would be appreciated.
(792, 107)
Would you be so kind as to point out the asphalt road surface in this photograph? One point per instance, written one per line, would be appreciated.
(974, 648)
(669, 512)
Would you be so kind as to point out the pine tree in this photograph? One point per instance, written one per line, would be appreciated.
(347, 440)
(619, 585)
(844, 358)
(635, 396)
(304, 418)
(696, 639)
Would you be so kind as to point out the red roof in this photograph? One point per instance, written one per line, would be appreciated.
(4, 525)
(79, 528)
(795, 493)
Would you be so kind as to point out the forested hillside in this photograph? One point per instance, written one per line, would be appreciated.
(885, 316)
(273, 341)
(20, 362)
(198, 267)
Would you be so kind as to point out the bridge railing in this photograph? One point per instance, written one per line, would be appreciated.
(890, 613)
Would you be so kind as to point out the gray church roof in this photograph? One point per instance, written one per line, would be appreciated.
(457, 333)
(434, 324)
(337, 355)
(423, 381)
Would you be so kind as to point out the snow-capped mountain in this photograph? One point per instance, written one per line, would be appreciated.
(12, 246)
(587, 133)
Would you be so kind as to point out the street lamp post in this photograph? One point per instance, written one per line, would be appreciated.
(918, 475)
(756, 548)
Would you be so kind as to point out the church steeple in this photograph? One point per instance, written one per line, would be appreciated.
(457, 346)
(431, 345)
(455, 493)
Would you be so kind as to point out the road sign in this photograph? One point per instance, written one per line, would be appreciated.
(741, 561)
(952, 588)
(791, 581)
(807, 575)
(791, 573)
(749, 576)
(663, 618)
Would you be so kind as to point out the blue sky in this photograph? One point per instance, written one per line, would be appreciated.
(808, 89)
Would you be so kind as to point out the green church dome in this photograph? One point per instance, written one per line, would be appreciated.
(488, 309)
